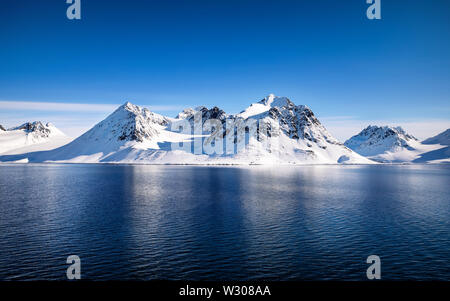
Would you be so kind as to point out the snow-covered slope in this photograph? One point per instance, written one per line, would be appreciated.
(388, 144)
(442, 138)
(30, 137)
(271, 131)
(438, 155)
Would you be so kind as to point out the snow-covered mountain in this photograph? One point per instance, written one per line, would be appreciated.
(30, 137)
(271, 131)
(374, 140)
(290, 133)
(129, 127)
(388, 144)
(129, 123)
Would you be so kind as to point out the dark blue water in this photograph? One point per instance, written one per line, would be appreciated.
(215, 223)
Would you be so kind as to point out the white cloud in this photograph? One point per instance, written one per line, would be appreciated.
(72, 118)
(344, 127)
(70, 107)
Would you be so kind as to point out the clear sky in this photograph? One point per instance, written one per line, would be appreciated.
(170, 54)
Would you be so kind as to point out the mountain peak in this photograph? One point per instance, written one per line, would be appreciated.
(274, 101)
(128, 106)
(38, 129)
(31, 136)
(186, 113)
(375, 140)
(268, 99)
(30, 126)
(213, 113)
(129, 122)
(264, 105)
(389, 131)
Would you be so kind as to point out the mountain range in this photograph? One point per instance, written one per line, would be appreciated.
(271, 131)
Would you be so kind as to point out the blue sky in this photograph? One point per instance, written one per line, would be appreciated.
(173, 54)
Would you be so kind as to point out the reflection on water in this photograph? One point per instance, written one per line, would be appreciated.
(245, 223)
